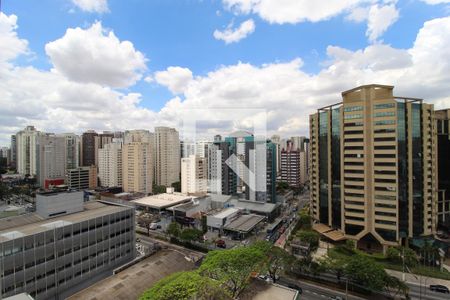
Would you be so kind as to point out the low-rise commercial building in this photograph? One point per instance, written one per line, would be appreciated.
(52, 258)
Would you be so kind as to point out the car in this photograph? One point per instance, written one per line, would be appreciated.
(336, 298)
(221, 244)
(138, 240)
(439, 288)
(295, 287)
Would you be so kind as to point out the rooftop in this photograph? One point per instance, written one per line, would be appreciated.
(163, 200)
(263, 207)
(226, 212)
(245, 223)
(28, 224)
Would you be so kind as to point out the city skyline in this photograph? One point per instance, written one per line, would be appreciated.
(240, 54)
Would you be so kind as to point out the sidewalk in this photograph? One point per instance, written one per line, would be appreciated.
(416, 279)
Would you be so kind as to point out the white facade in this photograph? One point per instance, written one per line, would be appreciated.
(223, 218)
(26, 141)
(168, 157)
(58, 204)
(51, 153)
(193, 175)
(110, 165)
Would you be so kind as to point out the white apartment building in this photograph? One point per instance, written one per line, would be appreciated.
(110, 165)
(137, 167)
(51, 154)
(168, 157)
(193, 175)
(26, 141)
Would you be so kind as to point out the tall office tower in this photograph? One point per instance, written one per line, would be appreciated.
(119, 134)
(89, 143)
(373, 165)
(26, 141)
(13, 163)
(298, 142)
(443, 162)
(260, 159)
(193, 175)
(82, 178)
(221, 178)
(277, 141)
(51, 156)
(290, 165)
(137, 167)
(237, 141)
(110, 165)
(168, 159)
(217, 138)
(72, 150)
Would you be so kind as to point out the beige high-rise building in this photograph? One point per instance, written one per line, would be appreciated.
(51, 158)
(194, 175)
(137, 167)
(110, 165)
(168, 158)
(373, 168)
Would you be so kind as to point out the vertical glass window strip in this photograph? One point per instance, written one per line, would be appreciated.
(323, 167)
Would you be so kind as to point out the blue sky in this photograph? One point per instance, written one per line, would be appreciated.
(180, 33)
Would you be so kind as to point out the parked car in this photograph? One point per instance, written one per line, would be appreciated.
(439, 288)
(153, 226)
(221, 244)
(295, 287)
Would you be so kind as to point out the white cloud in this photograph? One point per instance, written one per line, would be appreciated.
(176, 79)
(380, 14)
(54, 103)
(292, 11)
(379, 20)
(98, 6)
(96, 55)
(433, 2)
(230, 35)
(11, 45)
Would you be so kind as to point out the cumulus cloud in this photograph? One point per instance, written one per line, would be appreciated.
(379, 14)
(95, 55)
(292, 11)
(176, 79)
(11, 45)
(379, 20)
(230, 35)
(53, 102)
(98, 6)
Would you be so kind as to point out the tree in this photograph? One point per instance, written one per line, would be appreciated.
(204, 224)
(335, 265)
(174, 229)
(158, 189)
(277, 260)
(5, 191)
(397, 254)
(393, 283)
(304, 220)
(177, 186)
(233, 267)
(146, 220)
(310, 237)
(366, 272)
(282, 186)
(186, 286)
(190, 234)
